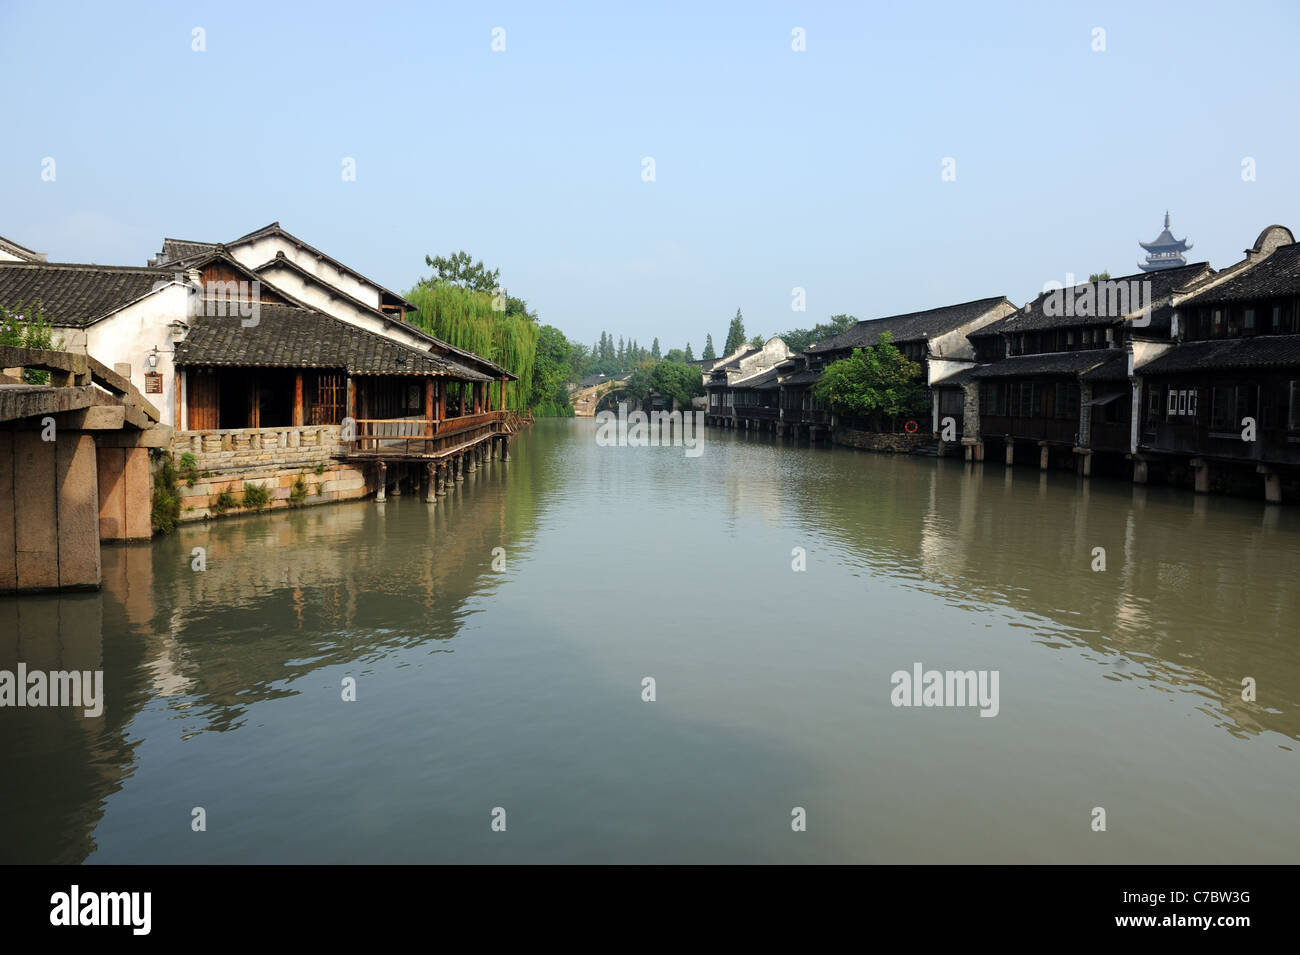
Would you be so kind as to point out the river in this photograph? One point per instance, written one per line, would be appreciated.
(500, 642)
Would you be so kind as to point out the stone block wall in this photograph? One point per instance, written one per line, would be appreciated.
(336, 482)
(889, 443)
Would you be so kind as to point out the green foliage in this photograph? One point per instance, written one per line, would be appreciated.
(671, 379)
(756, 341)
(189, 469)
(466, 319)
(457, 269)
(256, 496)
(1099, 276)
(225, 501)
(800, 339)
(735, 334)
(319, 470)
(166, 498)
(552, 369)
(708, 348)
(689, 355)
(875, 383)
(25, 326)
(297, 492)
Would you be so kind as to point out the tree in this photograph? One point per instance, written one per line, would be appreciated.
(621, 355)
(735, 334)
(800, 339)
(654, 350)
(756, 341)
(689, 355)
(675, 354)
(1099, 277)
(875, 383)
(551, 370)
(709, 353)
(679, 381)
(458, 269)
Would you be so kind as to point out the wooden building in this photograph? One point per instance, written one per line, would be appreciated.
(1222, 407)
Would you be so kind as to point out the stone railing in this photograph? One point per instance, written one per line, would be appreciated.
(228, 448)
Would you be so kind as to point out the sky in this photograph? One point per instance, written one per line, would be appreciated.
(774, 169)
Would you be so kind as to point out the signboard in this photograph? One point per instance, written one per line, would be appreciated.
(152, 383)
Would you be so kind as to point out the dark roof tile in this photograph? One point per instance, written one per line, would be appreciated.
(1262, 351)
(910, 326)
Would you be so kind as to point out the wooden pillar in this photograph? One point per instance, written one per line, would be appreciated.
(297, 400)
(442, 399)
(177, 385)
(428, 414)
(350, 405)
(430, 487)
(503, 394)
(382, 475)
(254, 405)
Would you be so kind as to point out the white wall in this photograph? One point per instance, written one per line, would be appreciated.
(260, 251)
(131, 334)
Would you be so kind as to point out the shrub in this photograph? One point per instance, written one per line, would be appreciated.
(225, 501)
(166, 499)
(298, 493)
(189, 469)
(256, 496)
(319, 470)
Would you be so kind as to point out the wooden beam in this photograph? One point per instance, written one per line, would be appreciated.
(297, 399)
(178, 384)
(428, 407)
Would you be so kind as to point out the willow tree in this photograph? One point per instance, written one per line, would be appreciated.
(466, 319)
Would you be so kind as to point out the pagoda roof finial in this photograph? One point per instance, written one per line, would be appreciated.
(1166, 218)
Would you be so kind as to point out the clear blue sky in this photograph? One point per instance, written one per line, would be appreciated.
(775, 169)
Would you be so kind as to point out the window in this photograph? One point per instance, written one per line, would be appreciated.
(1069, 339)
(1191, 401)
(1182, 401)
(1155, 400)
(1221, 411)
(1218, 321)
(1172, 408)
(1293, 410)
(1248, 318)
(1277, 317)
(1071, 399)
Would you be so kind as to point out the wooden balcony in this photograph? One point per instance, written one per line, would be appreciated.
(756, 411)
(1055, 430)
(429, 438)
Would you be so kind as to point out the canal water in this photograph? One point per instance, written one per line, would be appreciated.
(500, 643)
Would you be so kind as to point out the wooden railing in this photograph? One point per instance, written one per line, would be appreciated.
(376, 437)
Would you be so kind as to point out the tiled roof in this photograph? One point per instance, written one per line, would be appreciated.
(1261, 351)
(911, 326)
(1114, 368)
(177, 250)
(803, 378)
(288, 337)
(1052, 363)
(1033, 317)
(1278, 275)
(761, 380)
(76, 295)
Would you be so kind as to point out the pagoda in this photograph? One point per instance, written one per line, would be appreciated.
(1165, 252)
